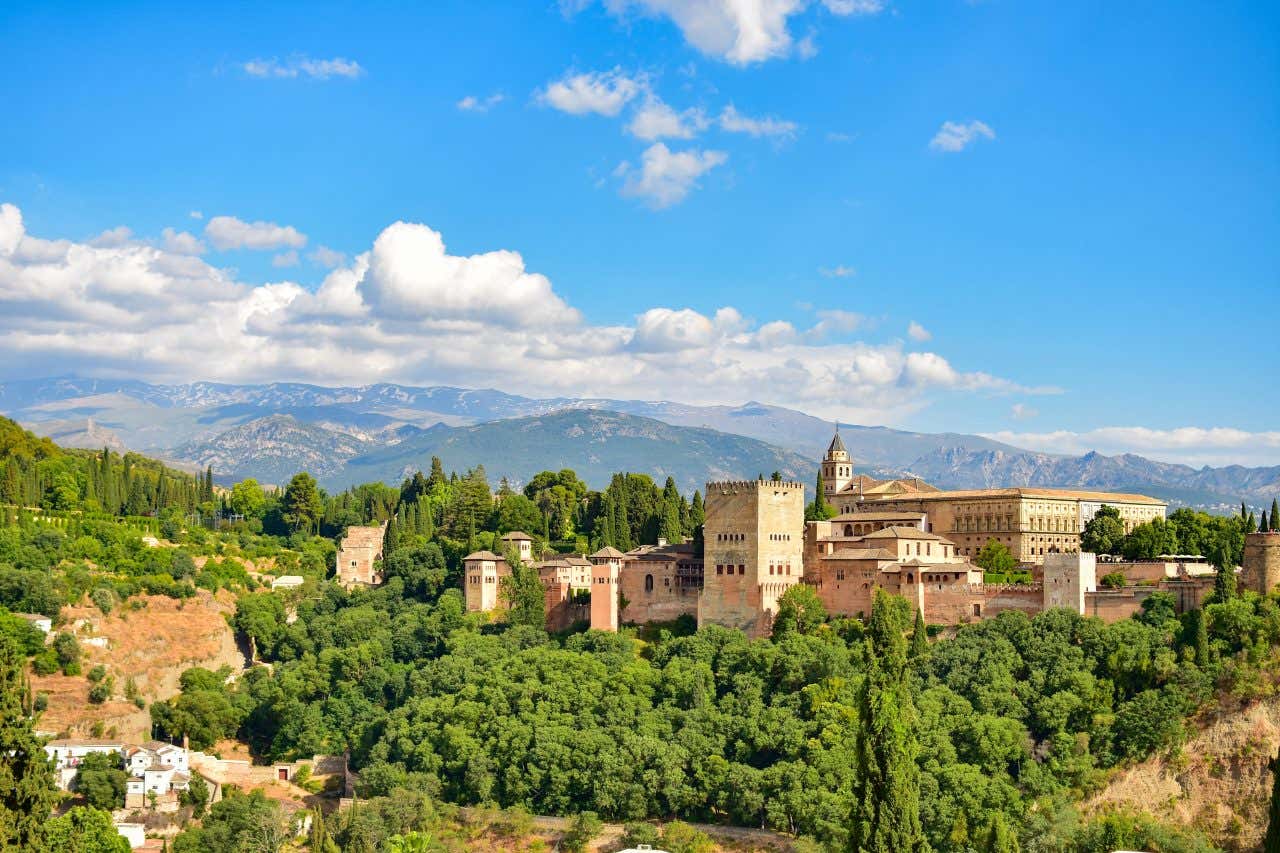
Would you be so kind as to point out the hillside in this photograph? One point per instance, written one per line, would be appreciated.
(204, 423)
(595, 444)
(1219, 782)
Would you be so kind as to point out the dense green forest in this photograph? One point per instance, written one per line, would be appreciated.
(987, 737)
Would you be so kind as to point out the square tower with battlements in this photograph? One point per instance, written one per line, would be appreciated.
(753, 551)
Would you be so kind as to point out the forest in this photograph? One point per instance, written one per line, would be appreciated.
(988, 736)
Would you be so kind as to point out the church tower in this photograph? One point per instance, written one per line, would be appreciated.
(837, 469)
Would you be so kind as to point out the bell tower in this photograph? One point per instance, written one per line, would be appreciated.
(837, 468)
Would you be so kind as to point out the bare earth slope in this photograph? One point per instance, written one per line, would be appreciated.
(153, 645)
(1220, 783)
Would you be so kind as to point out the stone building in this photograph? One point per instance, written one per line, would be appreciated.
(358, 555)
(520, 542)
(1030, 521)
(753, 541)
(1260, 569)
(606, 568)
(661, 583)
(482, 573)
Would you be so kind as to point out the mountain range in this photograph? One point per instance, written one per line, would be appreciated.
(384, 431)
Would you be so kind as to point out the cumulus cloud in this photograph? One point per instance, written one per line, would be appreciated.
(326, 257)
(665, 177)
(195, 214)
(601, 92)
(408, 310)
(1021, 411)
(228, 232)
(285, 259)
(735, 122)
(302, 66)
(654, 120)
(473, 104)
(917, 332)
(740, 32)
(1188, 445)
(957, 136)
(117, 236)
(181, 242)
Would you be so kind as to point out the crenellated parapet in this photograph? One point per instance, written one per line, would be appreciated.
(733, 486)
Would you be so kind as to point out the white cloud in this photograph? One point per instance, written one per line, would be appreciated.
(654, 120)
(917, 332)
(740, 32)
(1021, 411)
(182, 242)
(473, 104)
(854, 7)
(1188, 445)
(228, 232)
(303, 66)
(406, 310)
(735, 122)
(838, 271)
(956, 136)
(834, 321)
(326, 257)
(665, 177)
(602, 92)
(285, 259)
(195, 214)
(112, 237)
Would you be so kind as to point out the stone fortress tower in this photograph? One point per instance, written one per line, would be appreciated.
(837, 469)
(1260, 571)
(753, 542)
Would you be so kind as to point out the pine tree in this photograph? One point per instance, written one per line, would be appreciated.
(1271, 843)
(27, 790)
(886, 810)
(919, 637)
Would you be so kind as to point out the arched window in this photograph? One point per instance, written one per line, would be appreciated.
(848, 530)
(911, 578)
(648, 583)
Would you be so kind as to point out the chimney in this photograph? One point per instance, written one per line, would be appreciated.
(662, 542)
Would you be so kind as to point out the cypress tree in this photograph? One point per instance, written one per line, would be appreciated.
(697, 512)
(919, 637)
(1201, 638)
(27, 790)
(669, 526)
(391, 538)
(1262, 525)
(1271, 843)
(886, 810)
(319, 841)
(1275, 517)
(1244, 513)
(1250, 524)
(1224, 583)
(998, 837)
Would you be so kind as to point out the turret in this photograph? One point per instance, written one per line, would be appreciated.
(837, 468)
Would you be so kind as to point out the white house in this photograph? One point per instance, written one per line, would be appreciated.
(67, 754)
(39, 621)
(287, 582)
(155, 768)
(134, 833)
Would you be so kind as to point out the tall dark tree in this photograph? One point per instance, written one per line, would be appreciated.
(1275, 517)
(1224, 582)
(302, 506)
(1271, 843)
(919, 637)
(1262, 525)
(27, 790)
(886, 806)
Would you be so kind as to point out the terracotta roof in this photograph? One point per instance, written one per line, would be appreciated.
(482, 555)
(860, 554)
(879, 515)
(609, 552)
(900, 532)
(517, 536)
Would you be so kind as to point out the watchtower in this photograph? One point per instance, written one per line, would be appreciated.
(753, 551)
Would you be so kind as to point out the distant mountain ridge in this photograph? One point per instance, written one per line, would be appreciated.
(350, 434)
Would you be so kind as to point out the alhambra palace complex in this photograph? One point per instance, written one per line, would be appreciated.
(903, 536)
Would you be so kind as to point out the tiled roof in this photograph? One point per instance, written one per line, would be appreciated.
(608, 552)
(900, 532)
(1036, 492)
(517, 536)
(482, 555)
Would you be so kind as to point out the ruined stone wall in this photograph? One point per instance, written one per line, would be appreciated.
(1025, 598)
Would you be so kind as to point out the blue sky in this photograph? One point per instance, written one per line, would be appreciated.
(1054, 222)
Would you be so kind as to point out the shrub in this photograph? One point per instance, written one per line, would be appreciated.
(104, 599)
(582, 828)
(101, 691)
(1114, 580)
(98, 673)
